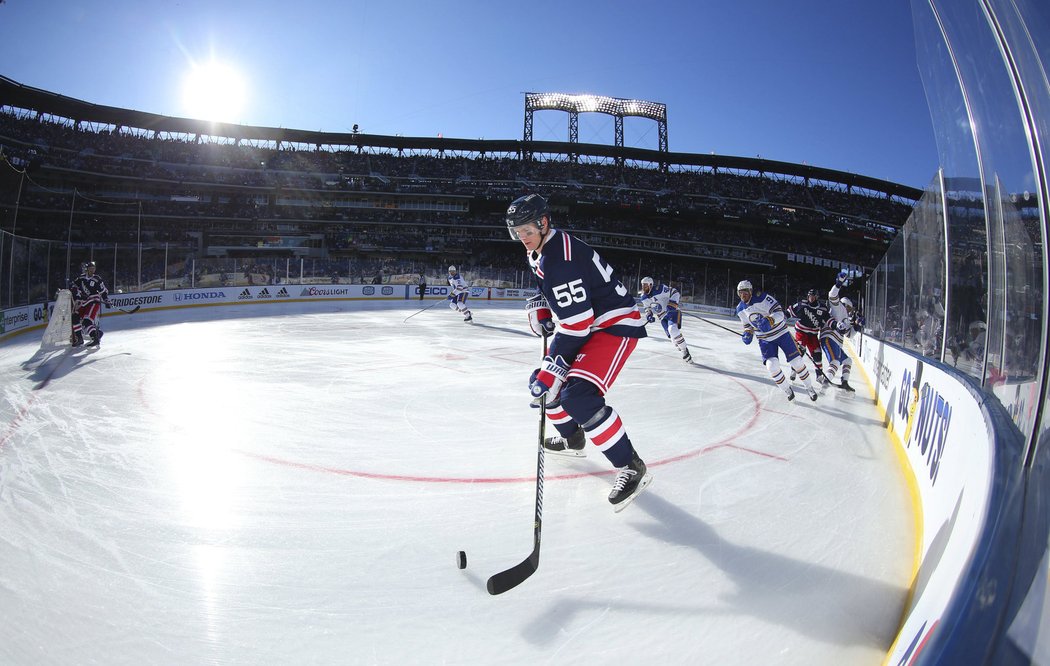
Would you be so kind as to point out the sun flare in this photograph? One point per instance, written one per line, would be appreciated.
(213, 91)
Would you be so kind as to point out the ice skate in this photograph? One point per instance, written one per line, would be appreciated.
(687, 357)
(630, 482)
(791, 394)
(76, 340)
(844, 385)
(467, 318)
(821, 379)
(812, 394)
(573, 447)
(793, 375)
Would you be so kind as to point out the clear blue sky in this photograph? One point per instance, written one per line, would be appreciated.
(831, 84)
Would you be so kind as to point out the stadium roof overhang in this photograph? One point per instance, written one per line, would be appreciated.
(21, 96)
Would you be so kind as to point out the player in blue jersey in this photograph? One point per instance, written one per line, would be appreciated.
(459, 290)
(661, 300)
(595, 327)
(811, 313)
(763, 317)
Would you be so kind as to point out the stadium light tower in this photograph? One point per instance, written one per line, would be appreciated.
(574, 105)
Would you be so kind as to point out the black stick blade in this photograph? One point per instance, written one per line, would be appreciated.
(516, 575)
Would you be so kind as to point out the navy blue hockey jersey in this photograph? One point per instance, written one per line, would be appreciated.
(585, 294)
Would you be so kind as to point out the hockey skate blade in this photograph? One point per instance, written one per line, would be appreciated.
(566, 453)
(642, 485)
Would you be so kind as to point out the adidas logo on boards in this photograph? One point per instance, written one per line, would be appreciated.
(245, 295)
(283, 293)
(265, 293)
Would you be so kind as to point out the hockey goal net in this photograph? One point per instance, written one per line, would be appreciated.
(59, 331)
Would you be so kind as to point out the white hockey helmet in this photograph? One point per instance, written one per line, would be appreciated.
(744, 285)
(647, 282)
(451, 270)
(847, 302)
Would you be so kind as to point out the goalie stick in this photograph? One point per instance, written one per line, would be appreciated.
(516, 575)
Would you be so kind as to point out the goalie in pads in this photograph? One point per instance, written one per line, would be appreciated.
(595, 327)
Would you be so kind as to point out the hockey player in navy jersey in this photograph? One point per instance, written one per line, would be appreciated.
(661, 300)
(89, 294)
(811, 313)
(839, 323)
(459, 291)
(595, 326)
(763, 317)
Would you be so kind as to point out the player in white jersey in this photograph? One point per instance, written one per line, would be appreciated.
(838, 324)
(763, 317)
(661, 300)
(460, 290)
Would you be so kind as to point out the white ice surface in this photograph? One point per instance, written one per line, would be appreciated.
(294, 488)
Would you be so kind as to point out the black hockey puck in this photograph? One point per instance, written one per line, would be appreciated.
(461, 560)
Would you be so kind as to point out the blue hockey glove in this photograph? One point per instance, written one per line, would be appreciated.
(764, 324)
(747, 337)
(843, 279)
(844, 327)
(539, 312)
(546, 380)
(649, 318)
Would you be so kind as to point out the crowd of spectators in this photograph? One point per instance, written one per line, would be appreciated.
(97, 186)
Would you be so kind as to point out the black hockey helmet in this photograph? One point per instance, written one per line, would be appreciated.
(529, 209)
(813, 292)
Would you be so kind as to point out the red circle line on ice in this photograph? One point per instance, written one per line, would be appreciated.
(725, 443)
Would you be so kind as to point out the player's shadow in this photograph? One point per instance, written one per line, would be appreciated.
(45, 367)
(827, 604)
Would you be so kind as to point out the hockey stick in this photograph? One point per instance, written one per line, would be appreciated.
(421, 310)
(724, 328)
(131, 311)
(516, 575)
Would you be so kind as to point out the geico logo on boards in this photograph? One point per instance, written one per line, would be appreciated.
(931, 428)
(325, 291)
(244, 296)
(904, 396)
(387, 291)
(437, 291)
(125, 301)
(265, 293)
(283, 293)
(199, 296)
(39, 313)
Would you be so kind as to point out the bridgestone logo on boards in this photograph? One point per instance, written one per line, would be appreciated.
(123, 302)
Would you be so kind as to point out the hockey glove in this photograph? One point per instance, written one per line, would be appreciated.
(747, 336)
(540, 318)
(649, 318)
(546, 380)
(763, 323)
(843, 279)
(107, 304)
(844, 327)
